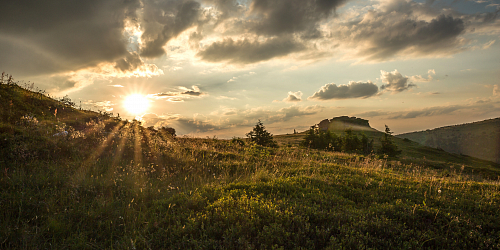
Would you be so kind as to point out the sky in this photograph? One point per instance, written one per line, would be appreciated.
(215, 67)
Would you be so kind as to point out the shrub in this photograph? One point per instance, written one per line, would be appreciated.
(168, 131)
(238, 141)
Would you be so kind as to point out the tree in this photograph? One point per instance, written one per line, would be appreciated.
(67, 101)
(318, 139)
(351, 142)
(388, 147)
(260, 136)
(367, 144)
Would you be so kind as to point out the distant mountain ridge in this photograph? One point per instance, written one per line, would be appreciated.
(478, 139)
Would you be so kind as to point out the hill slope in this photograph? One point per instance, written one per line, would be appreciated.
(478, 139)
(412, 152)
(111, 184)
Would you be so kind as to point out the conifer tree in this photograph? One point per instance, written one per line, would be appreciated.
(260, 136)
(388, 147)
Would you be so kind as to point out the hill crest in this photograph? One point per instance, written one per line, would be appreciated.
(342, 123)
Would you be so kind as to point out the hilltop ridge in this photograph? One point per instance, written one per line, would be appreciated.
(342, 123)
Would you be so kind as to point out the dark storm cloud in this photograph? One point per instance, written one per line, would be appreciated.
(131, 62)
(165, 20)
(382, 34)
(351, 90)
(61, 35)
(394, 81)
(282, 27)
(226, 8)
(246, 51)
(276, 17)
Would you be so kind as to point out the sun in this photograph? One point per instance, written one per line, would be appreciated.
(136, 104)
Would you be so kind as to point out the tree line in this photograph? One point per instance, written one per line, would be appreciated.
(350, 142)
(327, 140)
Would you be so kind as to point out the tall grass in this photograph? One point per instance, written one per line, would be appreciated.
(114, 184)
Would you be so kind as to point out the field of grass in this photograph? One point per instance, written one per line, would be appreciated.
(111, 184)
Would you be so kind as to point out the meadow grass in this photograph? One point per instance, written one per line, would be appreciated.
(116, 185)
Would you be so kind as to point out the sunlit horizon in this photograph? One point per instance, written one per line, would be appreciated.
(216, 67)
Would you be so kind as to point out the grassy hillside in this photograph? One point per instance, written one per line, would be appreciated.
(415, 153)
(477, 139)
(116, 185)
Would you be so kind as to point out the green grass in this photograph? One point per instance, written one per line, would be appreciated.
(116, 185)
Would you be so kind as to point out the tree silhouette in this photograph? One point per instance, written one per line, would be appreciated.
(388, 147)
(260, 136)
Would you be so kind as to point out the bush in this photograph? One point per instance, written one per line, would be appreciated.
(329, 141)
(168, 131)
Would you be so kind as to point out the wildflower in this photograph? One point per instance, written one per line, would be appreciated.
(439, 191)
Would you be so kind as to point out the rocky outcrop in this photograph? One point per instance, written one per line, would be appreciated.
(343, 123)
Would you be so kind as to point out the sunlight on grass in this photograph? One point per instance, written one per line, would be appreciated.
(114, 184)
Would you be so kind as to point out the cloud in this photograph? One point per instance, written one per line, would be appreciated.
(56, 36)
(496, 90)
(288, 113)
(225, 8)
(60, 37)
(488, 44)
(394, 81)
(228, 118)
(431, 111)
(247, 52)
(129, 63)
(351, 90)
(419, 78)
(179, 96)
(277, 17)
(293, 97)
(182, 125)
(222, 97)
(235, 78)
(231, 111)
(372, 113)
(479, 107)
(163, 21)
(401, 28)
(250, 116)
(105, 105)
